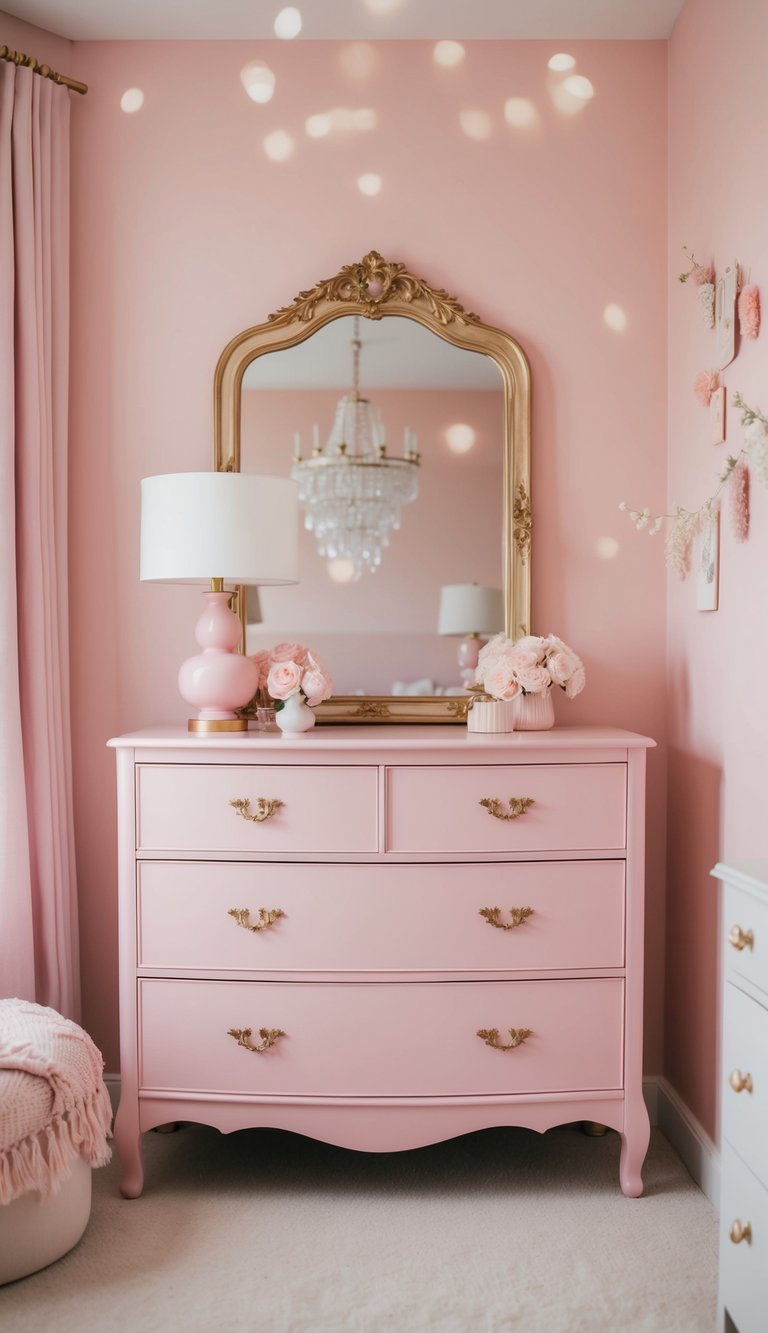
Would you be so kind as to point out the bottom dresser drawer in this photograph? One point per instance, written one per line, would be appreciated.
(743, 1263)
(382, 1040)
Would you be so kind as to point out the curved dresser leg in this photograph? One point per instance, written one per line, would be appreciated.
(634, 1146)
(128, 1144)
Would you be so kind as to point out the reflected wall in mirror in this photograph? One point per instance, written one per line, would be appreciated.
(441, 386)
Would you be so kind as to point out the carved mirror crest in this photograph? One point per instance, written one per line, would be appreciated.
(453, 504)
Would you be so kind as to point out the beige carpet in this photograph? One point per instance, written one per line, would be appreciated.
(503, 1230)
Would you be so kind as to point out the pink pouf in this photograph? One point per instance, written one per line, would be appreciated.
(55, 1119)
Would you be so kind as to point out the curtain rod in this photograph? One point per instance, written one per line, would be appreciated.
(45, 71)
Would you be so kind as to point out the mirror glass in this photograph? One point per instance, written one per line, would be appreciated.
(378, 632)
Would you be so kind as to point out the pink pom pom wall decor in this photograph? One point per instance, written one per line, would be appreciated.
(705, 384)
(749, 311)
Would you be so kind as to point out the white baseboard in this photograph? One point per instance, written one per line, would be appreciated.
(666, 1110)
(690, 1141)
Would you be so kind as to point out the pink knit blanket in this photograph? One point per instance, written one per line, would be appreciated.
(54, 1106)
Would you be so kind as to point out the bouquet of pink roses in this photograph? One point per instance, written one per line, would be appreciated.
(288, 669)
(529, 665)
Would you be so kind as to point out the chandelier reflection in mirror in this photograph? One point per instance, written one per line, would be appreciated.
(352, 491)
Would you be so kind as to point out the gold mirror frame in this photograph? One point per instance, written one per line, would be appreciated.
(377, 289)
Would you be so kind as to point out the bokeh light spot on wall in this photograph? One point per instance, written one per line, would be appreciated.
(358, 60)
(578, 85)
(279, 146)
(561, 62)
(383, 7)
(448, 54)
(460, 437)
(369, 183)
(318, 126)
(615, 318)
(341, 119)
(520, 112)
(258, 81)
(476, 124)
(288, 23)
(606, 547)
(131, 100)
(341, 571)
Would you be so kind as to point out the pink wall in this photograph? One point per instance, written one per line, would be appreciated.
(184, 233)
(718, 721)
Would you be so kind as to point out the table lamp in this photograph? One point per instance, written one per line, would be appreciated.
(217, 527)
(468, 611)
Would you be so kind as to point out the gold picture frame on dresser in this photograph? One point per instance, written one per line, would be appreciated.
(376, 289)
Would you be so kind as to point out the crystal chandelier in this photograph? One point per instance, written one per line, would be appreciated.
(352, 491)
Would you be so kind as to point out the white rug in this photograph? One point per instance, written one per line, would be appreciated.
(266, 1232)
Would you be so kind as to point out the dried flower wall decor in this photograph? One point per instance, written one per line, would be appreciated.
(704, 280)
(705, 384)
(687, 523)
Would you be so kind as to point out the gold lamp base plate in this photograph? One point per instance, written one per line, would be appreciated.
(217, 724)
(593, 1128)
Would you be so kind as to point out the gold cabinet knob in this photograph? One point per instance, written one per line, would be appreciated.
(517, 1036)
(741, 1231)
(740, 1082)
(267, 917)
(268, 1038)
(265, 808)
(517, 806)
(741, 939)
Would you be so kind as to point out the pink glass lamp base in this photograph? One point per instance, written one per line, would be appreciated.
(218, 680)
(468, 654)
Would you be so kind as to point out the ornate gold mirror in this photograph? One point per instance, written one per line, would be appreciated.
(441, 403)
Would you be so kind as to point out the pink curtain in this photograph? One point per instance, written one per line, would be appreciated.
(38, 906)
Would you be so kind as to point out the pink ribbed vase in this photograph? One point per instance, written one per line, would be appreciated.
(534, 712)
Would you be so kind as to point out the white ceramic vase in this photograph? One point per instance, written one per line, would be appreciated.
(491, 715)
(295, 716)
(534, 712)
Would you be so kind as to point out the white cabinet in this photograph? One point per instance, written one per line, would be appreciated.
(743, 1295)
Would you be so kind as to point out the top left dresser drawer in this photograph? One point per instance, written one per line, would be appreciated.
(255, 809)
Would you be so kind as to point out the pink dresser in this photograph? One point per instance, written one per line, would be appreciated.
(382, 936)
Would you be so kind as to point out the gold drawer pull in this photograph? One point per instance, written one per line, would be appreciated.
(740, 1082)
(265, 808)
(517, 806)
(491, 1038)
(266, 918)
(741, 939)
(741, 1231)
(268, 1038)
(517, 916)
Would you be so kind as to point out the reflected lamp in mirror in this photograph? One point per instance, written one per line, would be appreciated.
(217, 527)
(352, 491)
(470, 612)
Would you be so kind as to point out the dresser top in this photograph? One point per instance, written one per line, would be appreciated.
(388, 738)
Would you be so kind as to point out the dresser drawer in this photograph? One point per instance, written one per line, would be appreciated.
(745, 922)
(379, 1039)
(189, 808)
(393, 918)
(745, 1060)
(743, 1266)
(572, 807)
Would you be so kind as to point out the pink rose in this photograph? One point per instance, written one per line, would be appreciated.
(501, 680)
(521, 659)
(534, 680)
(284, 679)
(490, 654)
(289, 652)
(561, 667)
(531, 643)
(261, 662)
(576, 683)
(316, 683)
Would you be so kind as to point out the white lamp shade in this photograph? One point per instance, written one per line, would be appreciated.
(236, 526)
(466, 608)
